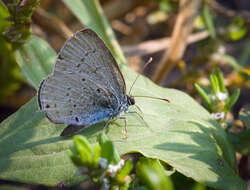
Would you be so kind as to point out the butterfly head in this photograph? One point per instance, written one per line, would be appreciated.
(131, 100)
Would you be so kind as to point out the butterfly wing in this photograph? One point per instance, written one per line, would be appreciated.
(86, 85)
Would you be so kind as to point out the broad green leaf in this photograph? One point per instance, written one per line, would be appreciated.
(180, 133)
(36, 60)
(92, 16)
(12, 187)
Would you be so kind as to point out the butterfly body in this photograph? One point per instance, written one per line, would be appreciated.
(86, 86)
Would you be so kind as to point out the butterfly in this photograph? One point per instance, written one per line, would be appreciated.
(86, 86)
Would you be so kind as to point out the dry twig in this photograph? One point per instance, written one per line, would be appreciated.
(118, 8)
(51, 24)
(183, 27)
(153, 46)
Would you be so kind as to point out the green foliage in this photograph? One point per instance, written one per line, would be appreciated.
(167, 5)
(208, 20)
(99, 164)
(237, 29)
(4, 13)
(245, 115)
(11, 187)
(20, 18)
(180, 133)
(241, 140)
(10, 77)
(152, 174)
(231, 61)
(34, 67)
(218, 101)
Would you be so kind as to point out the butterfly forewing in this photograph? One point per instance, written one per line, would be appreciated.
(86, 85)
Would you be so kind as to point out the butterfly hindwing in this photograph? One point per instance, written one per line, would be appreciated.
(86, 85)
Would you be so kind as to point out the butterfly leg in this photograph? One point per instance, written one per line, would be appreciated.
(145, 123)
(125, 131)
(106, 124)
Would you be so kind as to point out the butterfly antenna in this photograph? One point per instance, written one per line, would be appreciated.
(156, 98)
(149, 61)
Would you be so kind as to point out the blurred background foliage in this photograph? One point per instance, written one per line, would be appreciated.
(218, 35)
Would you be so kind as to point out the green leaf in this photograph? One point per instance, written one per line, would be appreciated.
(232, 100)
(214, 83)
(12, 187)
(36, 60)
(199, 186)
(96, 156)
(76, 159)
(84, 149)
(92, 16)
(220, 78)
(241, 142)
(4, 13)
(204, 96)
(10, 77)
(231, 61)
(107, 151)
(125, 171)
(151, 174)
(245, 115)
(237, 29)
(208, 19)
(102, 139)
(180, 133)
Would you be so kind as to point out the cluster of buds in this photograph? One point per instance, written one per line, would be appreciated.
(101, 163)
(217, 100)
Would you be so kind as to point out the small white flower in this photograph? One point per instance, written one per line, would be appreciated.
(121, 163)
(213, 97)
(218, 115)
(112, 169)
(222, 50)
(103, 162)
(215, 56)
(221, 96)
